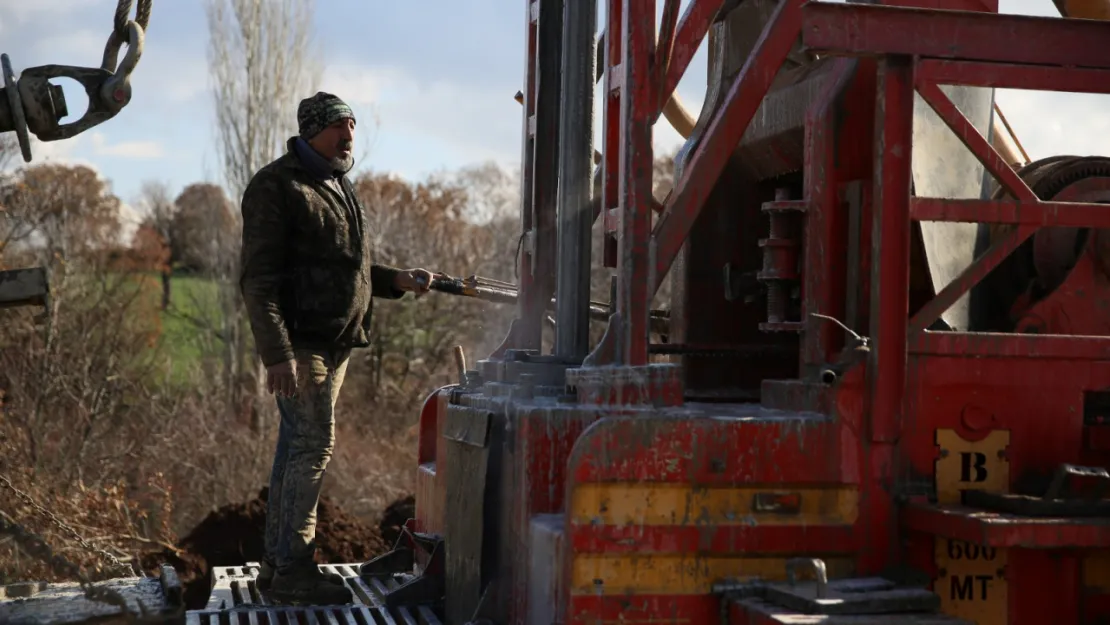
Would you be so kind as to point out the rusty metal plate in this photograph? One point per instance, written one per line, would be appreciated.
(1027, 505)
(872, 595)
(469, 435)
(236, 600)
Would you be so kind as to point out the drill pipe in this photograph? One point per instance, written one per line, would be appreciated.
(498, 292)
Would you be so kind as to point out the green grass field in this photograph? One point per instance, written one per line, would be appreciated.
(190, 326)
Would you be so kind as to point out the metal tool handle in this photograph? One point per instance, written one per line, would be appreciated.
(460, 363)
(819, 571)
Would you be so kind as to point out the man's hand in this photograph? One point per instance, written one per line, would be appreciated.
(282, 378)
(417, 281)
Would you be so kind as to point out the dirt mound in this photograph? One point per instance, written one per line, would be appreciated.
(394, 518)
(233, 535)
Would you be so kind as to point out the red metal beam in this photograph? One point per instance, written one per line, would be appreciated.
(1004, 530)
(1006, 76)
(1062, 214)
(638, 111)
(891, 262)
(990, 6)
(695, 23)
(825, 292)
(724, 133)
(1004, 345)
(869, 29)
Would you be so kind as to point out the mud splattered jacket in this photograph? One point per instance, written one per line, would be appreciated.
(307, 277)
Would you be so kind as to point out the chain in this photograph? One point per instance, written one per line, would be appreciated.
(123, 15)
(126, 31)
(65, 527)
(36, 547)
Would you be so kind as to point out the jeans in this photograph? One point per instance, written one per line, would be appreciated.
(306, 438)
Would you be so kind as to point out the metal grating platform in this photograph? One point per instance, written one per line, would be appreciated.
(236, 600)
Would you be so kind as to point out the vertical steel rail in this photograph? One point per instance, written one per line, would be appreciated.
(891, 238)
(575, 190)
(539, 172)
(638, 110)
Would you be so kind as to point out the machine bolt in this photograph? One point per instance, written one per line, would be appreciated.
(776, 302)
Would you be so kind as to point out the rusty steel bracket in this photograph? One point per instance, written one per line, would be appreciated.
(1058, 500)
(34, 105)
(428, 587)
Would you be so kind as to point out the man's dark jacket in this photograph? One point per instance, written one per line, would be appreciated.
(307, 277)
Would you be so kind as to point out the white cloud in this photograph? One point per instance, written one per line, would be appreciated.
(359, 85)
(133, 149)
(125, 149)
(69, 46)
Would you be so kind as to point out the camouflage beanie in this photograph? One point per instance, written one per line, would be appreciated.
(320, 111)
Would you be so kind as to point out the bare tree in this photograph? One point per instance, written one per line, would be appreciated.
(156, 201)
(262, 59)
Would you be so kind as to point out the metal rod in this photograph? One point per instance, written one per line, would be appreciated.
(460, 363)
(542, 224)
(575, 214)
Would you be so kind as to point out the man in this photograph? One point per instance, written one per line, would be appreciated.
(308, 282)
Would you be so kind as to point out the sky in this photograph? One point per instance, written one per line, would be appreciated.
(438, 76)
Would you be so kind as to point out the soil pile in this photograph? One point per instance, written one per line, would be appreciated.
(233, 535)
(394, 517)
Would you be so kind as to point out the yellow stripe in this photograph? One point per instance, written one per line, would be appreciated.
(685, 574)
(1096, 571)
(684, 504)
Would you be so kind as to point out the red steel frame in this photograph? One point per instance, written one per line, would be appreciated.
(1065, 58)
(902, 51)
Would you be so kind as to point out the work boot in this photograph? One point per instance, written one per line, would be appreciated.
(266, 576)
(307, 584)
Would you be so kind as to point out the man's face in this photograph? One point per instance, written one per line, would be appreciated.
(336, 142)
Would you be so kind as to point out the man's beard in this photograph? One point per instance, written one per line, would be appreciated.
(343, 163)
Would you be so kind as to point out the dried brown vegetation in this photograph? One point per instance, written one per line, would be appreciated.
(116, 413)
